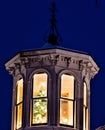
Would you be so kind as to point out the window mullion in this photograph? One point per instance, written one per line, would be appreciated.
(67, 99)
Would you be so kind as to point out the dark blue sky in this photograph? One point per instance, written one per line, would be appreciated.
(23, 25)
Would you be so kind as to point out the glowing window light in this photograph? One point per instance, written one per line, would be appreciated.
(67, 100)
(85, 108)
(66, 112)
(19, 116)
(19, 103)
(19, 91)
(39, 109)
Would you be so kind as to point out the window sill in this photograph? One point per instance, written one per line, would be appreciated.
(48, 128)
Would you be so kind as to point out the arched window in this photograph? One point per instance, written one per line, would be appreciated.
(19, 103)
(85, 108)
(39, 98)
(67, 100)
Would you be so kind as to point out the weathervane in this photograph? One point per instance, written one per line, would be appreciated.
(53, 37)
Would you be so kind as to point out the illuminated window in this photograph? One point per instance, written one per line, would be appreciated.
(39, 98)
(19, 103)
(67, 102)
(85, 109)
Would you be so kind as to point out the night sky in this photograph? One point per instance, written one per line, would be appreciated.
(23, 26)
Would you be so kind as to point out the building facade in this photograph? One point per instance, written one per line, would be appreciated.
(51, 89)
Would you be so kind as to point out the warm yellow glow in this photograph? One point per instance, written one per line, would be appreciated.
(67, 86)
(39, 114)
(66, 112)
(19, 103)
(87, 119)
(40, 85)
(85, 94)
(39, 111)
(66, 101)
(19, 91)
(19, 116)
(84, 119)
(85, 109)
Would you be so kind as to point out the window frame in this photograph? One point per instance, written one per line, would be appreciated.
(85, 108)
(36, 98)
(67, 99)
(19, 103)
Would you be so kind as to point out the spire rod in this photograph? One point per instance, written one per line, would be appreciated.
(53, 19)
(53, 37)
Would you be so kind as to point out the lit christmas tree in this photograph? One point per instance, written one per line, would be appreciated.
(40, 109)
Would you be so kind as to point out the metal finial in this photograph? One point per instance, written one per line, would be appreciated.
(53, 37)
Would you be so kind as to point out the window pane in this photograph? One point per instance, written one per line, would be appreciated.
(66, 112)
(85, 95)
(19, 116)
(19, 91)
(40, 85)
(39, 111)
(85, 114)
(87, 119)
(67, 86)
(84, 119)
